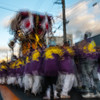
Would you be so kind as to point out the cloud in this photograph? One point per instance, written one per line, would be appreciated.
(82, 23)
(3, 49)
(82, 18)
(6, 21)
(6, 52)
(80, 8)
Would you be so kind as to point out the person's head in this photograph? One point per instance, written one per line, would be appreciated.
(85, 36)
(66, 43)
(14, 57)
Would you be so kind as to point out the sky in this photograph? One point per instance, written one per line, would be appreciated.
(80, 13)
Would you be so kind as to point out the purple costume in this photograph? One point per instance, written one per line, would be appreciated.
(67, 64)
(36, 64)
(11, 71)
(27, 69)
(20, 68)
(51, 65)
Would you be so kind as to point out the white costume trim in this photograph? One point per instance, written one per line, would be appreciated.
(69, 82)
(27, 81)
(36, 87)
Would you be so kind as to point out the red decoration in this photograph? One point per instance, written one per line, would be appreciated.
(27, 24)
(47, 26)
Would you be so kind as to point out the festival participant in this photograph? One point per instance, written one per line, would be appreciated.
(88, 57)
(4, 72)
(67, 78)
(19, 72)
(36, 63)
(11, 78)
(27, 76)
(51, 69)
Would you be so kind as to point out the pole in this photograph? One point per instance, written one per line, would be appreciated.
(64, 21)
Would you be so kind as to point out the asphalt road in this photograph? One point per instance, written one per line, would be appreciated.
(74, 95)
(13, 93)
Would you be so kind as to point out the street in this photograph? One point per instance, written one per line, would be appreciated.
(13, 93)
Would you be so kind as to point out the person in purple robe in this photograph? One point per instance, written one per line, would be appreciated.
(66, 78)
(51, 69)
(27, 76)
(36, 64)
(3, 72)
(88, 65)
(11, 78)
(19, 71)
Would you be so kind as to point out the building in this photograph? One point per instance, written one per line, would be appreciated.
(96, 38)
(59, 39)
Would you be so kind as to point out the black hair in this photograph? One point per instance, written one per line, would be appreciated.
(66, 43)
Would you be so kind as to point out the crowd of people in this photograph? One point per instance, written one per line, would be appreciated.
(56, 68)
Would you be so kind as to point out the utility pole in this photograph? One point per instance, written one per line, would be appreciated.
(64, 21)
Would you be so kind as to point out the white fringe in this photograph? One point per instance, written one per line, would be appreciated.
(60, 81)
(2, 80)
(69, 82)
(27, 81)
(36, 87)
(20, 81)
(11, 80)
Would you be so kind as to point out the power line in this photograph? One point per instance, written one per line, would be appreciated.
(74, 10)
(8, 4)
(7, 9)
(69, 15)
(61, 25)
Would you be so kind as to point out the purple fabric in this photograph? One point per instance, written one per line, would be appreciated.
(81, 54)
(22, 70)
(94, 55)
(1, 73)
(51, 66)
(11, 72)
(18, 71)
(67, 65)
(99, 69)
(34, 66)
(4, 72)
(41, 66)
(27, 69)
